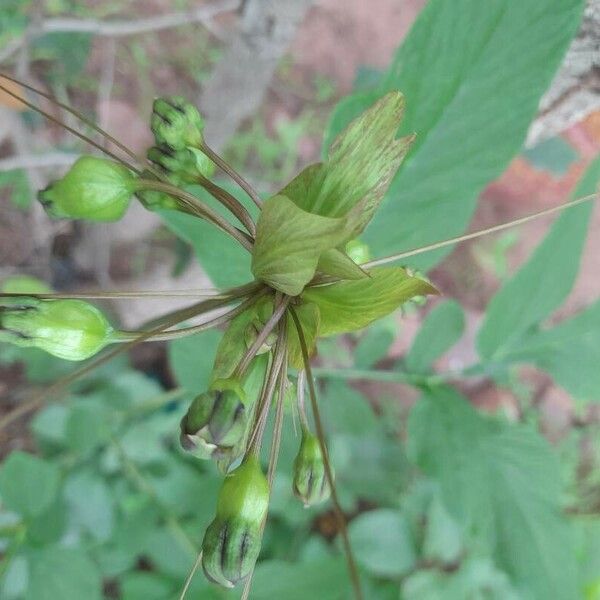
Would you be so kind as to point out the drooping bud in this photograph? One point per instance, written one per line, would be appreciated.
(215, 420)
(94, 188)
(232, 541)
(176, 122)
(181, 166)
(69, 329)
(310, 479)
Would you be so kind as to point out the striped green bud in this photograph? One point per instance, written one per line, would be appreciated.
(310, 478)
(94, 188)
(69, 329)
(176, 123)
(216, 420)
(231, 544)
(181, 166)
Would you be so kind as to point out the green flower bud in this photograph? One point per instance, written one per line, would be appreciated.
(215, 420)
(154, 200)
(181, 166)
(176, 122)
(232, 541)
(310, 479)
(69, 329)
(94, 188)
(358, 251)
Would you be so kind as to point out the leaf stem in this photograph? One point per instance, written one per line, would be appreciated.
(328, 470)
(470, 236)
(199, 207)
(232, 173)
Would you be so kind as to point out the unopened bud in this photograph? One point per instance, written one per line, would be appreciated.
(181, 166)
(176, 122)
(94, 188)
(215, 419)
(69, 329)
(232, 541)
(311, 485)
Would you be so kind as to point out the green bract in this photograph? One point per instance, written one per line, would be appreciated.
(94, 188)
(69, 329)
(303, 228)
(232, 541)
(310, 479)
(176, 122)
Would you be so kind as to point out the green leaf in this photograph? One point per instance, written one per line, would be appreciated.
(28, 484)
(443, 537)
(191, 359)
(375, 344)
(289, 243)
(145, 586)
(463, 80)
(88, 426)
(441, 329)
(543, 283)
(383, 543)
(91, 506)
(476, 578)
(500, 482)
(63, 573)
(362, 160)
(569, 352)
(326, 579)
(338, 264)
(351, 305)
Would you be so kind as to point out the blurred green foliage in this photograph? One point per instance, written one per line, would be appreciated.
(446, 503)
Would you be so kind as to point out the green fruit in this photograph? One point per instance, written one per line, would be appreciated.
(69, 329)
(231, 544)
(310, 483)
(176, 122)
(94, 188)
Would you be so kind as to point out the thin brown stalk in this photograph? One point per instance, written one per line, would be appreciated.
(232, 173)
(262, 336)
(230, 203)
(476, 234)
(352, 568)
(76, 133)
(202, 210)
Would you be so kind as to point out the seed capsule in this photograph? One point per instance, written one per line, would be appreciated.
(69, 329)
(94, 188)
(310, 479)
(215, 420)
(232, 541)
(176, 122)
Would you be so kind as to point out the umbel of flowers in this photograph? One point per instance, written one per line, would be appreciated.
(310, 279)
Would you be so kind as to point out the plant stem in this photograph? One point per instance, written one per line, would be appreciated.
(230, 203)
(200, 208)
(481, 232)
(328, 470)
(235, 176)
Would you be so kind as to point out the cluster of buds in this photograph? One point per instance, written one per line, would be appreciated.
(311, 278)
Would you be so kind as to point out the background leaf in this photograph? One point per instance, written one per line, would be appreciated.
(500, 482)
(472, 86)
(28, 484)
(440, 330)
(63, 573)
(543, 283)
